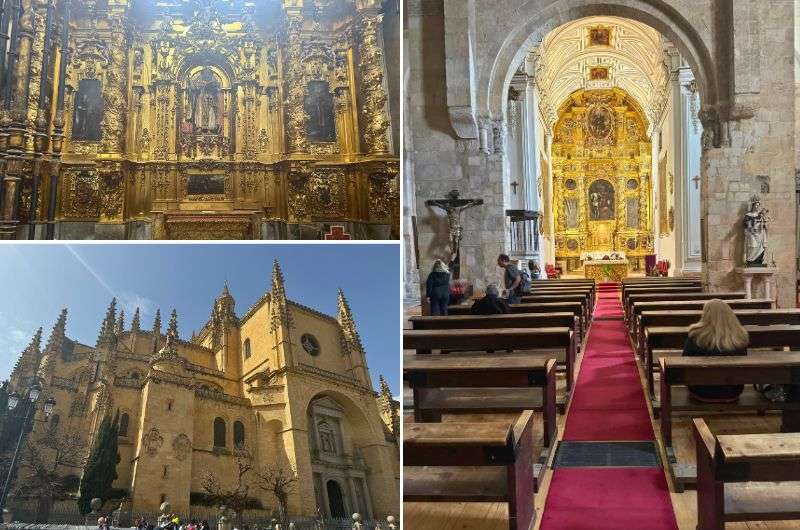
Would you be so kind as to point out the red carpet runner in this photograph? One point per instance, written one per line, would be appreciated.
(608, 405)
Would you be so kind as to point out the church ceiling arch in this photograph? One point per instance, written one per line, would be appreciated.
(602, 53)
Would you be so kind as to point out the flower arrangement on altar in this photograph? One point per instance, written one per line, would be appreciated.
(661, 268)
(459, 289)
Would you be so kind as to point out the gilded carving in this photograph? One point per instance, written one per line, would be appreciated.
(82, 193)
(374, 96)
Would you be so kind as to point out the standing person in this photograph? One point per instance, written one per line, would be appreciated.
(511, 279)
(717, 333)
(437, 288)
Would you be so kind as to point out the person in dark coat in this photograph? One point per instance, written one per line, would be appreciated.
(717, 333)
(437, 288)
(491, 304)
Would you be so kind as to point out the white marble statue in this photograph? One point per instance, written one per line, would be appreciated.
(755, 234)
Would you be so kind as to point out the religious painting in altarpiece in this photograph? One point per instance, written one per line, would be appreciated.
(202, 112)
(601, 176)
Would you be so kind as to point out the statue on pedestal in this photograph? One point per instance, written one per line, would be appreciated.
(755, 234)
(453, 206)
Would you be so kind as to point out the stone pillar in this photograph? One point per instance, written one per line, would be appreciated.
(375, 124)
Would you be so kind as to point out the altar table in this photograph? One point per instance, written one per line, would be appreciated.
(606, 269)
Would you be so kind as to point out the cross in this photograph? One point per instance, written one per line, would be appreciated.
(696, 180)
(514, 185)
(337, 233)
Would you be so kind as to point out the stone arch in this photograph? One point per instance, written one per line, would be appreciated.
(534, 22)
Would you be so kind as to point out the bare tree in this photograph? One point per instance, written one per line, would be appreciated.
(42, 464)
(280, 483)
(236, 496)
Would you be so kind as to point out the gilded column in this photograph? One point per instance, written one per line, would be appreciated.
(343, 97)
(116, 90)
(58, 121)
(295, 83)
(373, 89)
(17, 100)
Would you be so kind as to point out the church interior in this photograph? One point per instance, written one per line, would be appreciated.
(632, 165)
(199, 119)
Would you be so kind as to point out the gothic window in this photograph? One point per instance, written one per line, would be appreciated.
(123, 424)
(219, 432)
(310, 344)
(327, 438)
(246, 348)
(238, 434)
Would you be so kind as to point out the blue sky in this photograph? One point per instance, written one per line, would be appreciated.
(39, 280)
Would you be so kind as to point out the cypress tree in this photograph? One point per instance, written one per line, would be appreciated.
(101, 466)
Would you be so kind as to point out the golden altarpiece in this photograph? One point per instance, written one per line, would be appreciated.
(200, 119)
(601, 178)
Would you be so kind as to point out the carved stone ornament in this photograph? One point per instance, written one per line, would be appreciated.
(152, 441)
(182, 446)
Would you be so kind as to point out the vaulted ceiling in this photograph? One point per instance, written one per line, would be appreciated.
(602, 52)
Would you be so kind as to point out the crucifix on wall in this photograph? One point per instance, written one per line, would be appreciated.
(514, 186)
(696, 180)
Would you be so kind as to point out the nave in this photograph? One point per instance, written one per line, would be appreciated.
(610, 402)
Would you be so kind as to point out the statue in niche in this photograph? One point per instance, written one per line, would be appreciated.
(601, 201)
(571, 211)
(755, 234)
(632, 212)
(321, 125)
(204, 105)
(88, 116)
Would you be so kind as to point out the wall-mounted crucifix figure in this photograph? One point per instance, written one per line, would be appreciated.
(453, 206)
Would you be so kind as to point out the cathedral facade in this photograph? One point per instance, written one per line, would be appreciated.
(283, 382)
(200, 119)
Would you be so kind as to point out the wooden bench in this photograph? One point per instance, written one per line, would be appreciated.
(516, 320)
(484, 384)
(557, 342)
(755, 317)
(688, 305)
(746, 477)
(668, 289)
(673, 338)
(545, 288)
(664, 297)
(582, 297)
(761, 368)
(576, 308)
(472, 462)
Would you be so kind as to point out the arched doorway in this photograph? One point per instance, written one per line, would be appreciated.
(335, 500)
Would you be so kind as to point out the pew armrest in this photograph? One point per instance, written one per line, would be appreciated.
(704, 437)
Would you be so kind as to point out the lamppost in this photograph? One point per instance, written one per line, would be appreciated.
(14, 400)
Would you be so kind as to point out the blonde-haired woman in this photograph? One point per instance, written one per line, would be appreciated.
(717, 333)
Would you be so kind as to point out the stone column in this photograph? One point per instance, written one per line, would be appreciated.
(373, 86)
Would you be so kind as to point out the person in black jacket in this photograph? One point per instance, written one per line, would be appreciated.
(717, 333)
(491, 304)
(437, 288)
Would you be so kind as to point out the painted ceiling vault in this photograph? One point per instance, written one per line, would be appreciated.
(602, 53)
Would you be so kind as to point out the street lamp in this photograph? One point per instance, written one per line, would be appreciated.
(13, 401)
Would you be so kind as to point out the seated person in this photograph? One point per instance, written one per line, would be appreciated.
(717, 333)
(491, 304)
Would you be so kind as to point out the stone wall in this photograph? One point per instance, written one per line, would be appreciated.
(462, 56)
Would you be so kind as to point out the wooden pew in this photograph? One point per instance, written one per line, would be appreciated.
(558, 342)
(687, 305)
(582, 297)
(673, 338)
(485, 383)
(754, 317)
(576, 308)
(761, 368)
(588, 290)
(746, 477)
(472, 462)
(666, 289)
(664, 297)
